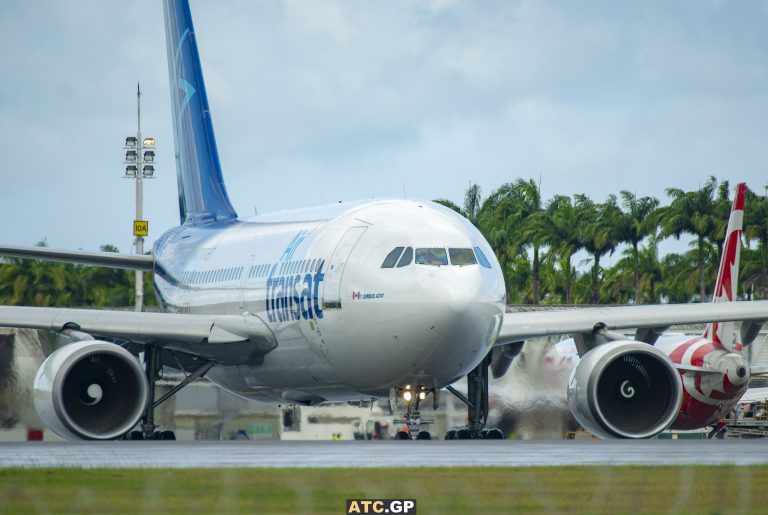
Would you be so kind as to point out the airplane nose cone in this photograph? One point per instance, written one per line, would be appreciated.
(456, 289)
(439, 335)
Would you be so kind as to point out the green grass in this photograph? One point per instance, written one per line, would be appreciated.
(690, 489)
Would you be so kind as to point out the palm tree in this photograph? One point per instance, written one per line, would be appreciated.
(755, 262)
(449, 204)
(693, 212)
(635, 223)
(598, 229)
(472, 203)
(651, 273)
(557, 226)
(529, 200)
(499, 219)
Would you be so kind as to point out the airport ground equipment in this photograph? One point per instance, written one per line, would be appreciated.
(748, 420)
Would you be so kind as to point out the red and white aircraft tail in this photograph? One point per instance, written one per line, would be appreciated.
(714, 372)
(725, 334)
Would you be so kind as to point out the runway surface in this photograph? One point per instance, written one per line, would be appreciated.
(372, 454)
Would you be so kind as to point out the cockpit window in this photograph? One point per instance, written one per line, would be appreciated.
(434, 257)
(391, 259)
(462, 257)
(482, 259)
(406, 259)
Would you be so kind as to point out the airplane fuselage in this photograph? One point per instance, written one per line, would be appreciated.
(714, 379)
(347, 328)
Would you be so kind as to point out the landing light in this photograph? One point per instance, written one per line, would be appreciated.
(407, 396)
(422, 395)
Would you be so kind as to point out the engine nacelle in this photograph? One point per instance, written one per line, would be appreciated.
(625, 389)
(90, 390)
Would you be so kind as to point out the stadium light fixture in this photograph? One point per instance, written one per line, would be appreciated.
(139, 154)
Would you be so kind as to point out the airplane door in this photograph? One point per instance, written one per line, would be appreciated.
(332, 288)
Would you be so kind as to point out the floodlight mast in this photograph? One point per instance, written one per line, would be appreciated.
(140, 165)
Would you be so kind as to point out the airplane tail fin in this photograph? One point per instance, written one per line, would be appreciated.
(725, 333)
(202, 195)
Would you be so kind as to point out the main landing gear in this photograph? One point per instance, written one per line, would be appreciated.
(477, 406)
(413, 421)
(153, 369)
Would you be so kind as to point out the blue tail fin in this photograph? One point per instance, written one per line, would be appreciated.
(202, 195)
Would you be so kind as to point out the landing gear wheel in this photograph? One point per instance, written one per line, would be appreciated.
(423, 435)
(493, 434)
(463, 434)
(412, 422)
(402, 435)
(134, 435)
(166, 435)
(450, 435)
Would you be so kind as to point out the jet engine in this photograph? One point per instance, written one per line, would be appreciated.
(90, 390)
(625, 389)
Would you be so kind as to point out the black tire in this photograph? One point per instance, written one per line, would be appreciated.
(450, 435)
(423, 435)
(402, 435)
(463, 434)
(167, 435)
(493, 434)
(134, 435)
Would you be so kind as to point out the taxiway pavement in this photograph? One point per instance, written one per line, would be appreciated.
(371, 454)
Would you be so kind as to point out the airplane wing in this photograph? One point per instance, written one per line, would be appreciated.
(222, 339)
(109, 259)
(656, 318)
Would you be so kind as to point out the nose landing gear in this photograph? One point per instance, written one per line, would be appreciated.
(412, 420)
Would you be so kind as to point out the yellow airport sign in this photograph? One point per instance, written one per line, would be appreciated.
(141, 228)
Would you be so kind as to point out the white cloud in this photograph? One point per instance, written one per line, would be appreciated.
(321, 101)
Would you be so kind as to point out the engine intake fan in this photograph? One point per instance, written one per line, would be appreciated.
(90, 390)
(625, 389)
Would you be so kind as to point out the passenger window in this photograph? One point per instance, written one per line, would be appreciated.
(406, 258)
(433, 256)
(482, 259)
(391, 259)
(461, 257)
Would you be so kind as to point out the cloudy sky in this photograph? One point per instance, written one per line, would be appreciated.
(320, 101)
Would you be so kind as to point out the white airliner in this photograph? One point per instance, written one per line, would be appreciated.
(349, 302)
